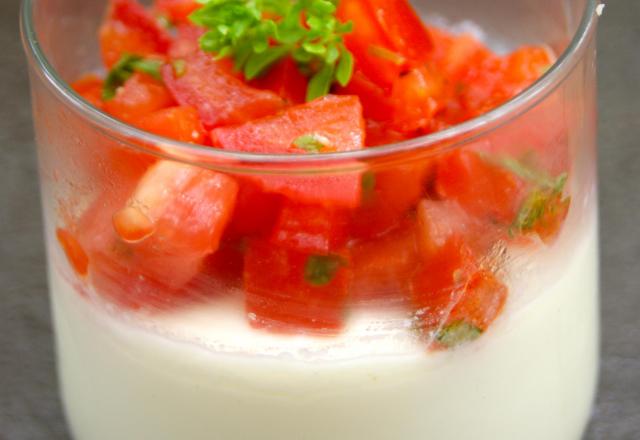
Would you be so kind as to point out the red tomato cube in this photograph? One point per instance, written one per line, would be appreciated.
(293, 292)
(129, 28)
(309, 228)
(485, 190)
(331, 123)
(220, 98)
(139, 96)
(179, 123)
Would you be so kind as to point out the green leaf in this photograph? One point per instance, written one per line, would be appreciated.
(368, 184)
(457, 333)
(257, 33)
(179, 67)
(320, 83)
(344, 71)
(150, 67)
(320, 269)
(258, 63)
(313, 142)
(124, 68)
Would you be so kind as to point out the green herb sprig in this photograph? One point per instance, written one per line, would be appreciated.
(124, 68)
(258, 33)
(320, 270)
(457, 333)
(545, 198)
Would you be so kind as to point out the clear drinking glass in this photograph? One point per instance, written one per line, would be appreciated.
(149, 349)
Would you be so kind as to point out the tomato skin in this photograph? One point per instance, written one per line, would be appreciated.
(404, 28)
(308, 228)
(73, 250)
(390, 25)
(366, 34)
(139, 96)
(485, 190)
(177, 11)
(220, 98)
(279, 299)
(178, 123)
(90, 88)
(337, 119)
(285, 80)
(188, 209)
(129, 28)
(376, 104)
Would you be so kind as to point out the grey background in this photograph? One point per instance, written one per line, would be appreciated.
(29, 405)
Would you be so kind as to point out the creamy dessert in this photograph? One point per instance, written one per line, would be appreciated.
(445, 292)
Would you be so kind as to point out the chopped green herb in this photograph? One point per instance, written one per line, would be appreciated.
(539, 205)
(313, 143)
(179, 67)
(320, 269)
(164, 21)
(368, 184)
(124, 68)
(457, 333)
(258, 33)
(381, 52)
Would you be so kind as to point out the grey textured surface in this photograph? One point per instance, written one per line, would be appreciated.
(29, 405)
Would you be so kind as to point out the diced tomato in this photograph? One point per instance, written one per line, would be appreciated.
(90, 88)
(139, 96)
(223, 268)
(334, 121)
(373, 51)
(383, 133)
(281, 296)
(185, 42)
(177, 11)
(174, 219)
(440, 279)
(73, 250)
(286, 80)
(129, 28)
(483, 300)
(525, 66)
(383, 267)
(395, 191)
(219, 98)
(376, 102)
(255, 211)
(439, 221)
(308, 228)
(388, 36)
(179, 123)
(404, 28)
(485, 190)
(416, 97)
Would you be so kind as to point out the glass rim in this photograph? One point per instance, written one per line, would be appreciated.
(458, 134)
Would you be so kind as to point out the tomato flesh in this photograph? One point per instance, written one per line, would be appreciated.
(335, 120)
(90, 88)
(279, 298)
(309, 228)
(179, 123)
(139, 96)
(130, 29)
(220, 98)
(177, 11)
(486, 190)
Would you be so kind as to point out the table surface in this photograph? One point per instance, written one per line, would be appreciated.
(29, 404)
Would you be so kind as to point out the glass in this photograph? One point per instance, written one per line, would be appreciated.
(158, 347)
